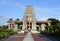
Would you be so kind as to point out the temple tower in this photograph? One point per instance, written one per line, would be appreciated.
(29, 19)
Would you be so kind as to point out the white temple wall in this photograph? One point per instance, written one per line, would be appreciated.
(24, 25)
(33, 25)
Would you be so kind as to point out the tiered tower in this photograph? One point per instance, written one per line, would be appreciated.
(29, 17)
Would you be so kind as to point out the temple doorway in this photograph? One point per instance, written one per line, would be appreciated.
(29, 25)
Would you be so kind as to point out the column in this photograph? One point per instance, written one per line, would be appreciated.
(49, 24)
(23, 28)
(34, 25)
(43, 27)
(39, 27)
(15, 27)
(9, 26)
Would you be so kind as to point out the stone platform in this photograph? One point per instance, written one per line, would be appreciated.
(32, 31)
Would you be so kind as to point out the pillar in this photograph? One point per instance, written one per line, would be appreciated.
(43, 27)
(49, 24)
(34, 25)
(24, 25)
(15, 27)
(9, 26)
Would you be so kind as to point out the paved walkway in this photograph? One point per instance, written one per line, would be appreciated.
(37, 38)
(28, 37)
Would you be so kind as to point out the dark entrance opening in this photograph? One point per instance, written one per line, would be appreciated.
(28, 25)
(37, 28)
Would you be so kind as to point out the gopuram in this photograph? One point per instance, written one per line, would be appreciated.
(29, 22)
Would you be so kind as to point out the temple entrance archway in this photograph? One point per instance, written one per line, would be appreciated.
(29, 25)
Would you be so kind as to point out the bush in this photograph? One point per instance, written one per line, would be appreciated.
(1, 35)
(11, 32)
(6, 33)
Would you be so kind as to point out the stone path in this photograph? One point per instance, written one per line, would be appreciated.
(37, 38)
(25, 37)
(28, 37)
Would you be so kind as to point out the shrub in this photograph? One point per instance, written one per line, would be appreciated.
(6, 33)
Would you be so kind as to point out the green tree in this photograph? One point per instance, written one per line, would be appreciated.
(54, 23)
(4, 27)
(58, 26)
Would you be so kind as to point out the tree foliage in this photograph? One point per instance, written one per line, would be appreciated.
(53, 29)
(54, 21)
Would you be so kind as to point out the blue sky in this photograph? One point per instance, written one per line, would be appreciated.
(43, 9)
